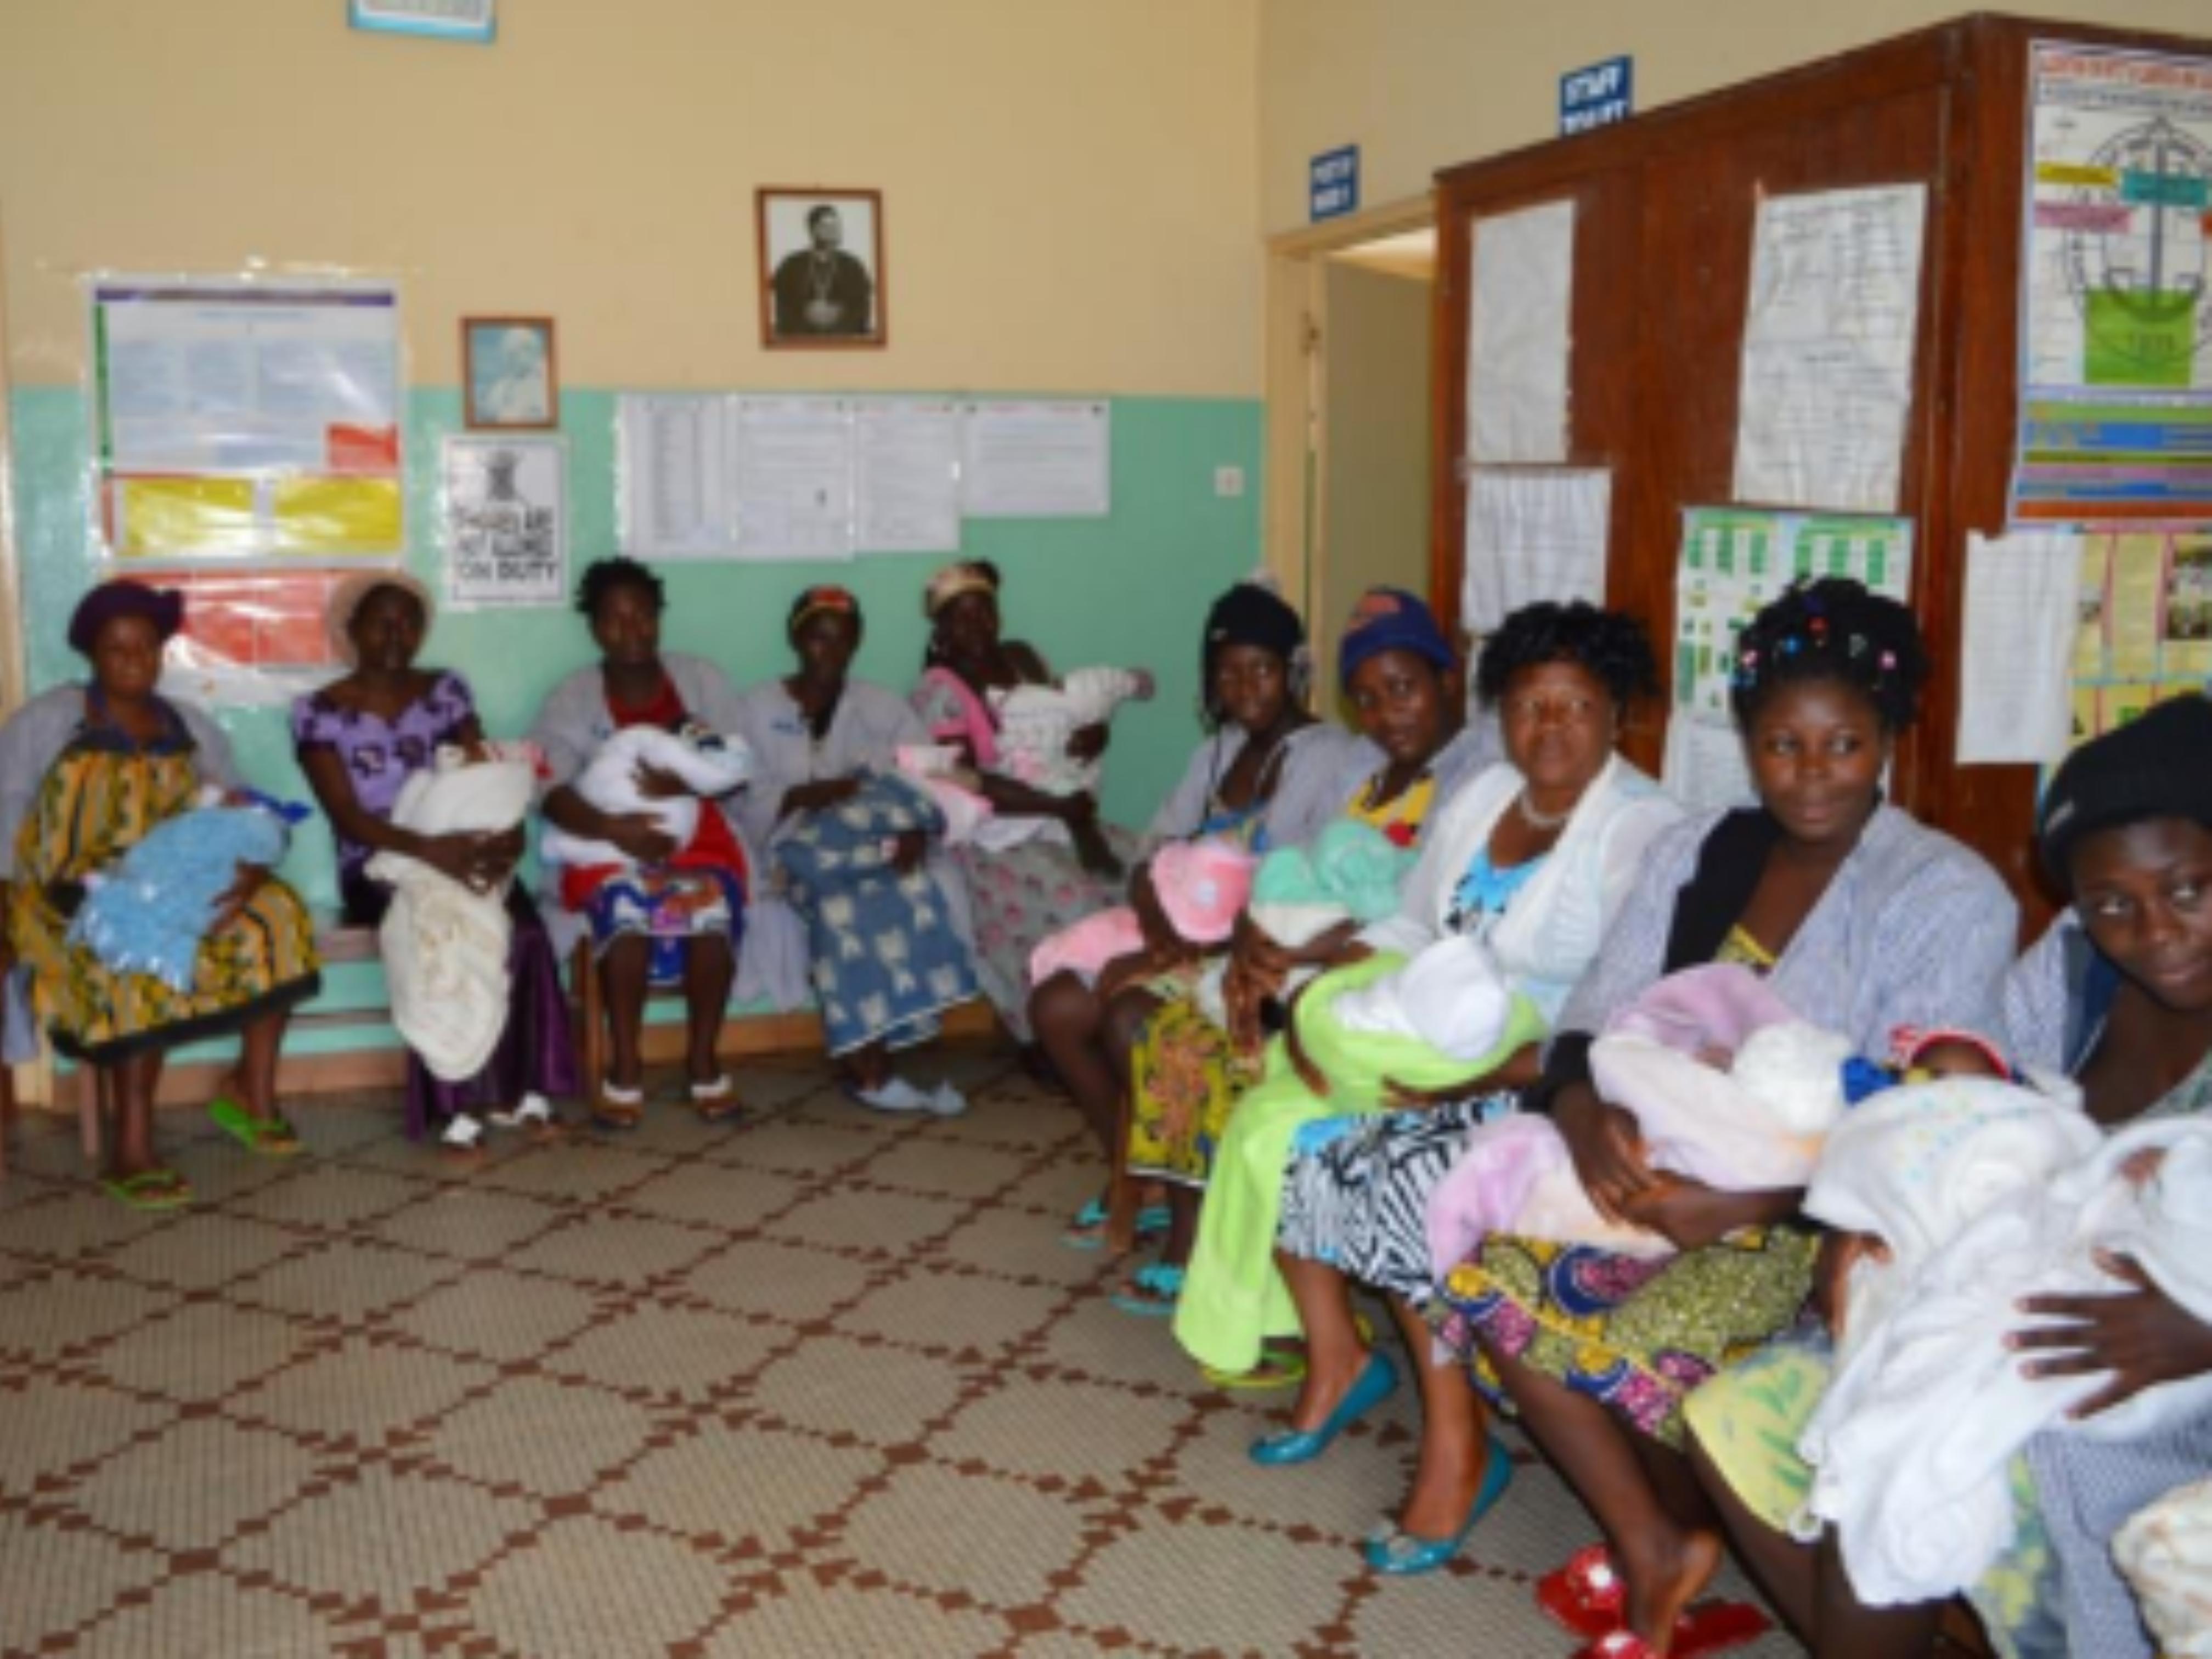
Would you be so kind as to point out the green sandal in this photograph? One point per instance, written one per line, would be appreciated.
(149, 1189)
(264, 1137)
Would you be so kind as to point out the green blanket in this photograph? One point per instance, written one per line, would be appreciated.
(1233, 1299)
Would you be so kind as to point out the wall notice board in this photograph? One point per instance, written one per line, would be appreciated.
(1666, 211)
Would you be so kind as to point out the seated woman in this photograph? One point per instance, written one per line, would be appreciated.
(1862, 920)
(2118, 994)
(1188, 1069)
(817, 737)
(86, 773)
(1269, 776)
(1534, 857)
(358, 739)
(675, 918)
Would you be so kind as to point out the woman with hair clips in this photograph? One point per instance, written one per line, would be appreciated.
(1018, 894)
(883, 953)
(2118, 994)
(1269, 774)
(1534, 859)
(675, 916)
(1188, 1071)
(1862, 920)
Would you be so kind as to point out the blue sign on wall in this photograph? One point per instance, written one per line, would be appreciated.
(1335, 183)
(1596, 96)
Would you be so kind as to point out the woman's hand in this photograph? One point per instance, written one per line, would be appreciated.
(640, 836)
(1608, 1149)
(908, 848)
(658, 783)
(1831, 1272)
(251, 878)
(2140, 1334)
(1241, 994)
(1088, 743)
(1092, 850)
(1690, 1215)
(1404, 1098)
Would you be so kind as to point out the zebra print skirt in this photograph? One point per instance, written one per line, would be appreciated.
(1359, 1203)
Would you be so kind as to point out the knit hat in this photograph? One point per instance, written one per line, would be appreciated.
(164, 607)
(350, 595)
(2159, 765)
(1202, 886)
(1391, 619)
(1249, 614)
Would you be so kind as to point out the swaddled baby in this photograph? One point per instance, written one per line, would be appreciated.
(148, 912)
(1035, 722)
(1727, 1085)
(1194, 890)
(710, 761)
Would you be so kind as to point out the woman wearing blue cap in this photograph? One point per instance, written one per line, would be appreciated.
(1191, 1066)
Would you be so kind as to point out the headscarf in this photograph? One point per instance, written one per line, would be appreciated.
(962, 576)
(1390, 619)
(164, 607)
(350, 595)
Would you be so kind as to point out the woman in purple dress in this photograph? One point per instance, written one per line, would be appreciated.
(358, 739)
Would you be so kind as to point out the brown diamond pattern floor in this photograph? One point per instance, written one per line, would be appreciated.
(819, 1383)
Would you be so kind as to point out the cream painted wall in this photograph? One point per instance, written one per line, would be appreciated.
(1068, 183)
(1424, 84)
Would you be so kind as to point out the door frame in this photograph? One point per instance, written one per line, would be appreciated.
(35, 1084)
(1295, 541)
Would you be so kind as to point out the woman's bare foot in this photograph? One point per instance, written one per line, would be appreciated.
(1664, 1570)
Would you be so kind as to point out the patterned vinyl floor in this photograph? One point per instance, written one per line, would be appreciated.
(818, 1383)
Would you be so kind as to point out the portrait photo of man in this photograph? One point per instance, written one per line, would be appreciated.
(822, 267)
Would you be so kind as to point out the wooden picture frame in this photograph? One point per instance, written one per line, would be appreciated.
(510, 380)
(822, 269)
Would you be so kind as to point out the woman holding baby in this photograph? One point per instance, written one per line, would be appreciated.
(2119, 995)
(664, 913)
(1862, 921)
(871, 908)
(359, 740)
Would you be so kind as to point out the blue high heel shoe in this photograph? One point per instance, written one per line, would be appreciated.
(1376, 1381)
(1401, 1554)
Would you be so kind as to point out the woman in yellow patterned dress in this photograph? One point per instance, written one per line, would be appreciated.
(85, 771)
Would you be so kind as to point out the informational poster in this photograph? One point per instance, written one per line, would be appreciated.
(1733, 561)
(238, 420)
(1534, 534)
(2142, 621)
(672, 475)
(1037, 460)
(2116, 307)
(905, 476)
(504, 506)
(1827, 349)
(791, 469)
(2016, 695)
(1518, 344)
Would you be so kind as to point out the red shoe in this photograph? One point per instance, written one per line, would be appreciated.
(1713, 1628)
(1584, 1597)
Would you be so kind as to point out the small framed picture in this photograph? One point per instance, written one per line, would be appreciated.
(822, 269)
(508, 380)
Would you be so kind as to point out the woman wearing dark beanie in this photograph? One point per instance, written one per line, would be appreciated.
(2118, 994)
(1267, 774)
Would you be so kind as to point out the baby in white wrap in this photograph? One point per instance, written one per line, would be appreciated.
(1035, 722)
(710, 761)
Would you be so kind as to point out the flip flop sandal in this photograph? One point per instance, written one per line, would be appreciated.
(1087, 1232)
(1278, 1367)
(463, 1139)
(1153, 1291)
(534, 1113)
(1584, 1597)
(264, 1137)
(149, 1189)
(618, 1107)
(718, 1101)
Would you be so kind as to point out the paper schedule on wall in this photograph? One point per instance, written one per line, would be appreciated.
(905, 476)
(2015, 694)
(1829, 336)
(1518, 345)
(792, 471)
(1535, 534)
(1036, 460)
(672, 477)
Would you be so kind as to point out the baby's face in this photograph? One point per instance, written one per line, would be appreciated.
(1954, 1060)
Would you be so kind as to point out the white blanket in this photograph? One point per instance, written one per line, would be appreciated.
(2165, 1551)
(444, 943)
(1035, 723)
(1986, 1192)
(709, 761)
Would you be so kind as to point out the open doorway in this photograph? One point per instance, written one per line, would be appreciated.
(1349, 404)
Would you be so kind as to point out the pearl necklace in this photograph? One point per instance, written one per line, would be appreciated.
(1543, 822)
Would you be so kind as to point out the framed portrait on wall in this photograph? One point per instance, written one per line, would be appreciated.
(821, 268)
(508, 379)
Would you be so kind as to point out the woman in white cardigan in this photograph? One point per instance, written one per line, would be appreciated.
(1534, 858)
